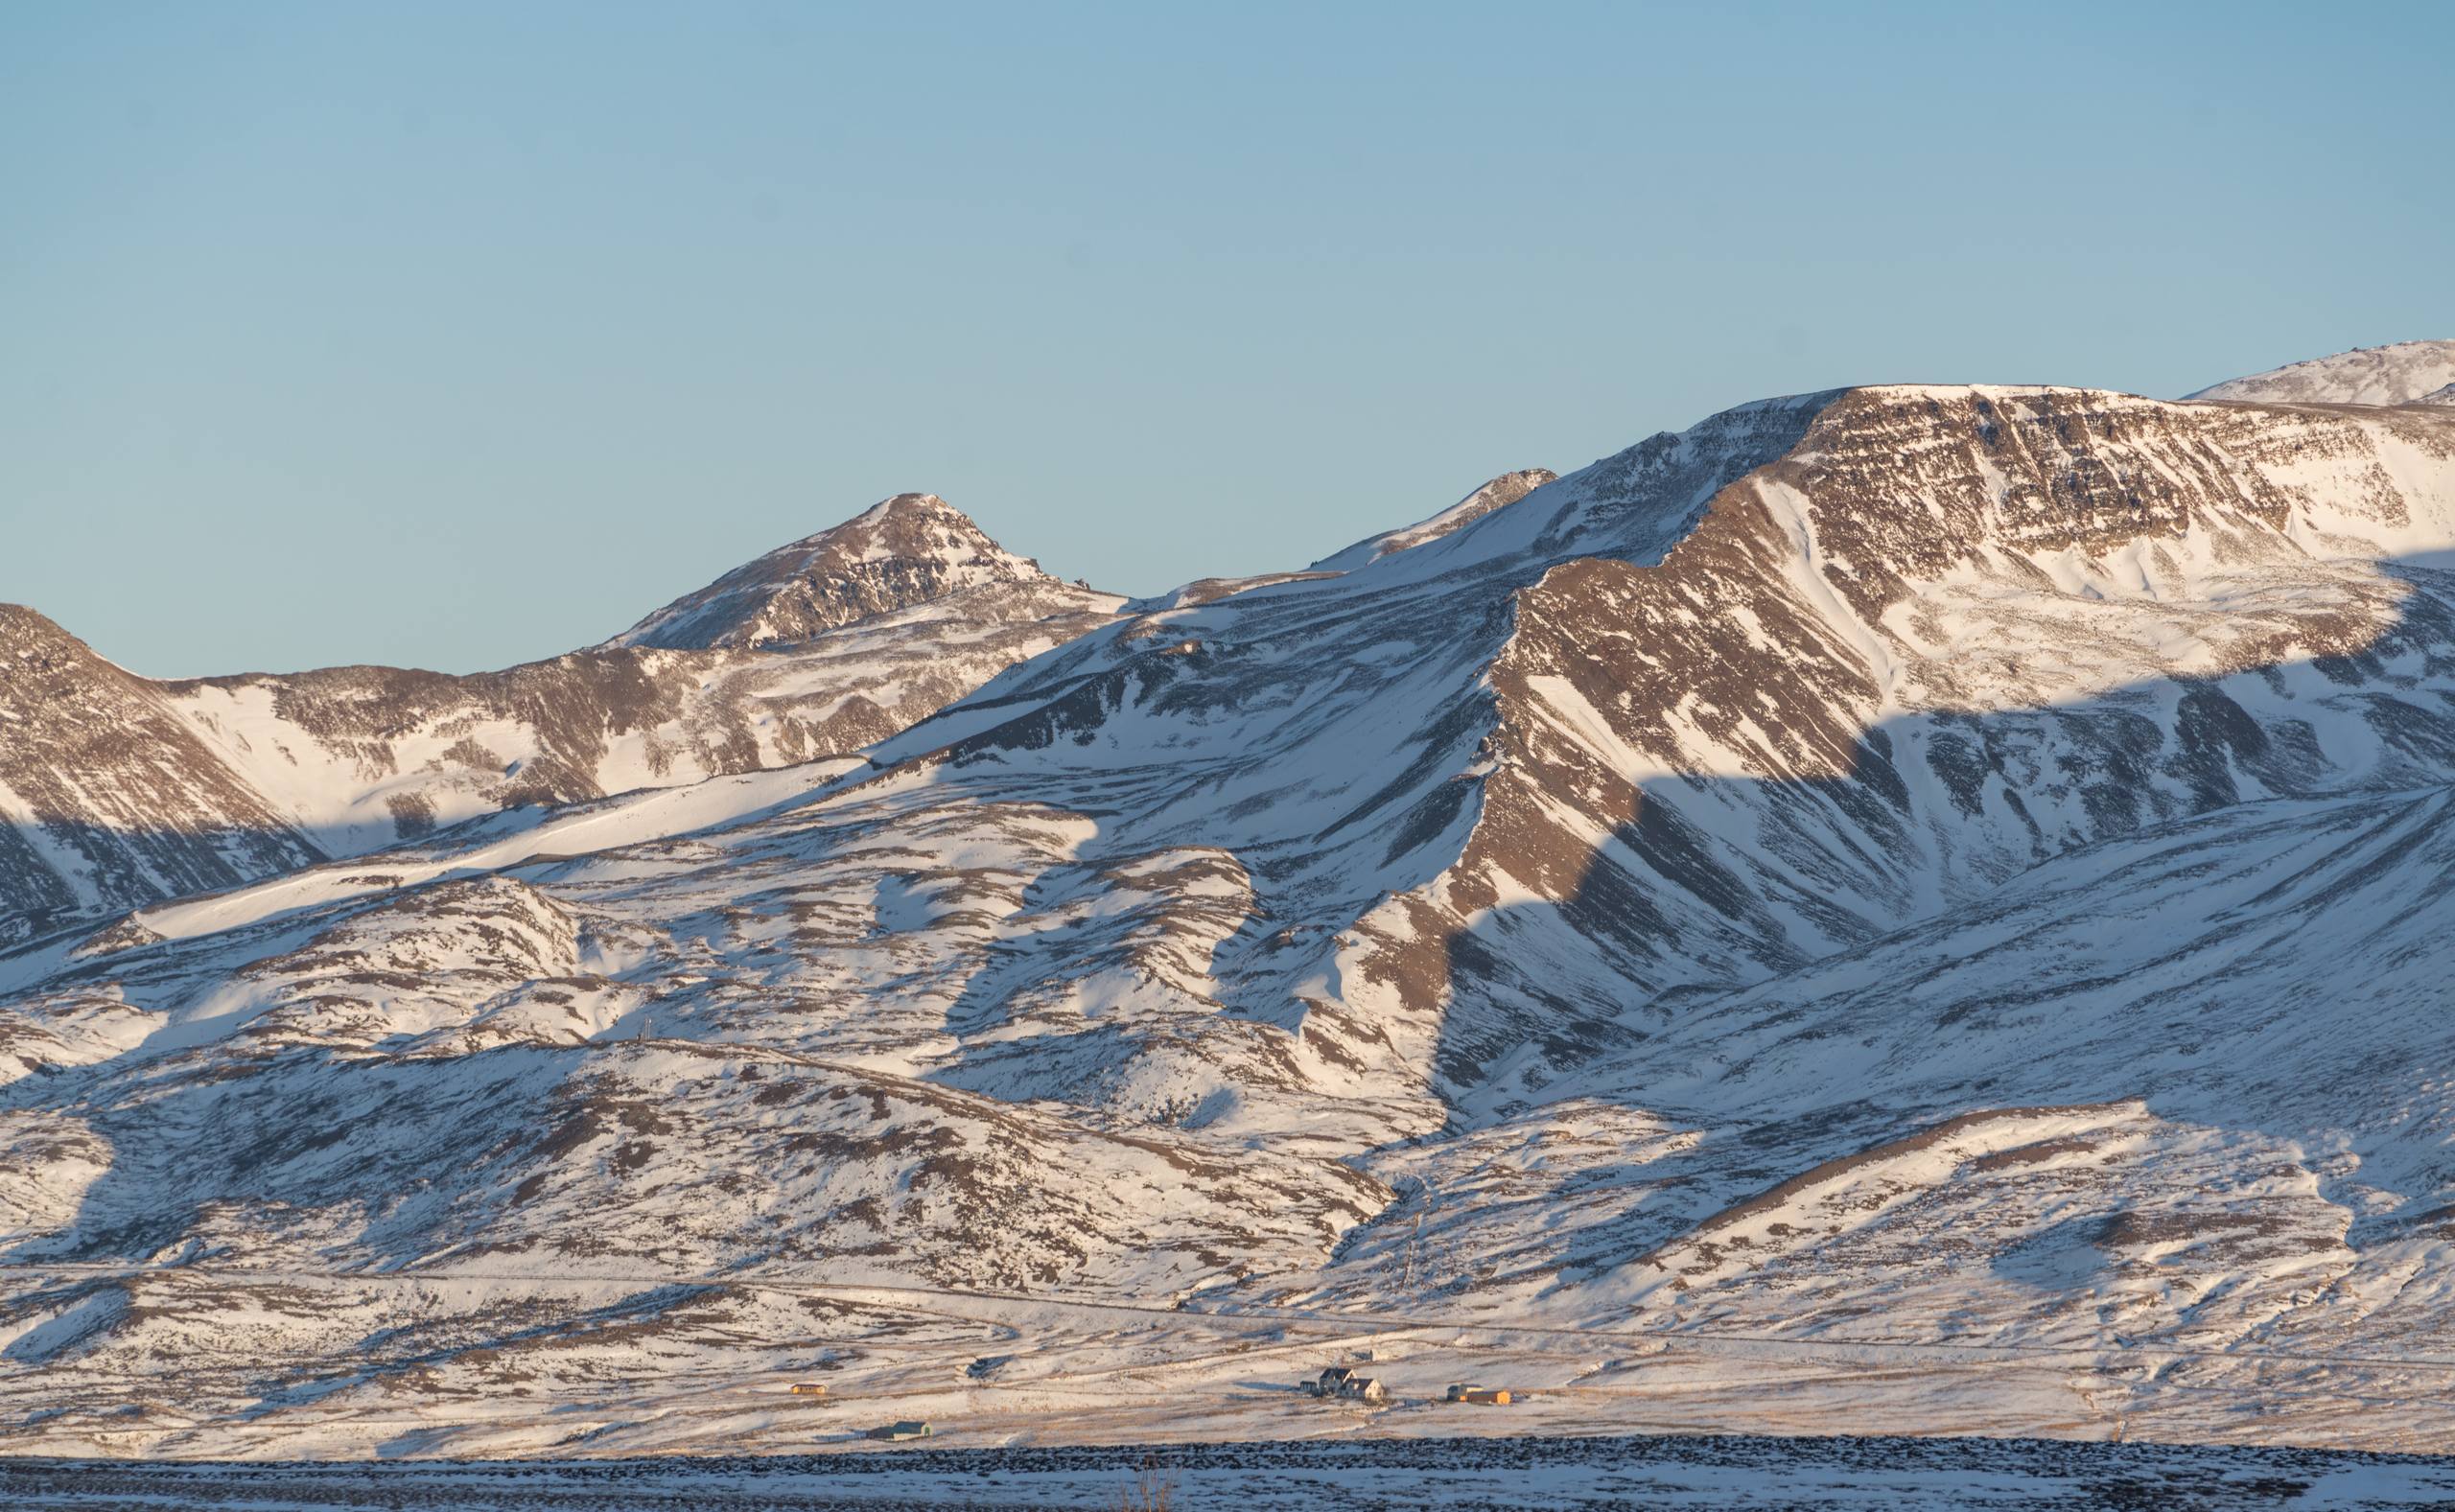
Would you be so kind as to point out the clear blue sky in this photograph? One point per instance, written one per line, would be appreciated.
(455, 335)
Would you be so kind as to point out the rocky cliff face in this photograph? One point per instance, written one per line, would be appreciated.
(1968, 856)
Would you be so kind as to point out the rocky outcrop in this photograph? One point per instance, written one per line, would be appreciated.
(914, 548)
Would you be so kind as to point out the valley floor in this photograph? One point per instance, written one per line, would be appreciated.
(1455, 1473)
(616, 1368)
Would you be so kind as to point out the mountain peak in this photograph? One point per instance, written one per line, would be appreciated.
(904, 550)
(2404, 373)
(907, 507)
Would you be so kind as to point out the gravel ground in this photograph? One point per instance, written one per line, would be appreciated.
(1540, 1472)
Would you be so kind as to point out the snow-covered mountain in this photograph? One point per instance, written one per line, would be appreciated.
(118, 790)
(2406, 373)
(1965, 864)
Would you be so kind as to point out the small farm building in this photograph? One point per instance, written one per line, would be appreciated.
(909, 1427)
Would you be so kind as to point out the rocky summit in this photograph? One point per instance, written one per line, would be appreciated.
(1908, 904)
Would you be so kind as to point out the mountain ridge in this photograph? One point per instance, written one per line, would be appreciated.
(1963, 855)
(2404, 373)
(273, 771)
